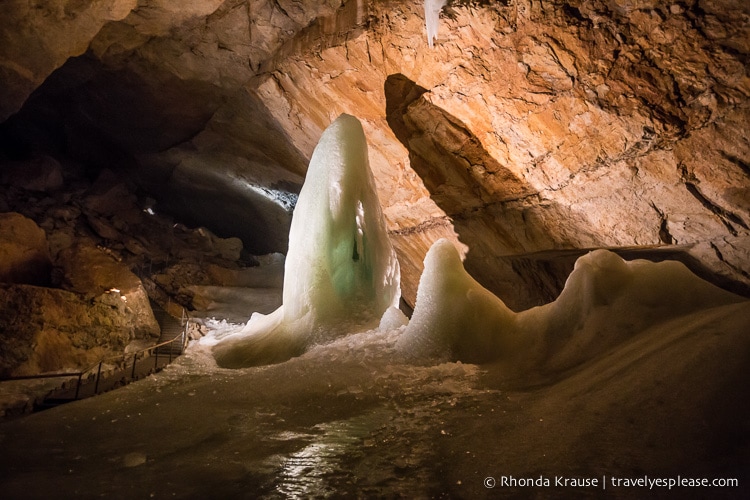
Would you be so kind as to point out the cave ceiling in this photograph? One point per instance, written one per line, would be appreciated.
(530, 133)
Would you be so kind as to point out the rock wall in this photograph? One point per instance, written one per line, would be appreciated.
(531, 132)
(24, 255)
(52, 330)
(87, 307)
(38, 37)
(81, 263)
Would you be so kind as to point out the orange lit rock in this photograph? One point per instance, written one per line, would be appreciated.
(532, 129)
(47, 330)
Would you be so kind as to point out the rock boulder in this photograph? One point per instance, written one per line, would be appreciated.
(50, 330)
(24, 256)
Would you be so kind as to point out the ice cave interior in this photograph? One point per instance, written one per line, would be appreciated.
(421, 248)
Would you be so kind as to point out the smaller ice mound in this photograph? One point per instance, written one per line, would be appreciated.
(605, 301)
(341, 273)
(393, 318)
(455, 317)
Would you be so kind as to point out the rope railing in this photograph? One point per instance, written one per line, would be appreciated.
(122, 361)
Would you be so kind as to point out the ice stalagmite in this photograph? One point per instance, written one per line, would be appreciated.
(341, 272)
(455, 316)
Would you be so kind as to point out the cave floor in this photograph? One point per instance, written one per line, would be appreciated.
(352, 418)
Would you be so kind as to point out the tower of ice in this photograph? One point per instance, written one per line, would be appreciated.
(341, 272)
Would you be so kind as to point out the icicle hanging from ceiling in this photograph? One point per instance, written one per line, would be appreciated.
(432, 10)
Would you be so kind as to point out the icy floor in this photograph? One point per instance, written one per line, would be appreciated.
(353, 418)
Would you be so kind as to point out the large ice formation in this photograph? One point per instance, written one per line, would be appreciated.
(606, 300)
(432, 10)
(341, 272)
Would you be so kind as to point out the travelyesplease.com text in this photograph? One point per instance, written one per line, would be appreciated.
(612, 482)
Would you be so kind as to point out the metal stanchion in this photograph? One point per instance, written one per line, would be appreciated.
(78, 385)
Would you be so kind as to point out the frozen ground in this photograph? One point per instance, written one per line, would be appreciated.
(352, 418)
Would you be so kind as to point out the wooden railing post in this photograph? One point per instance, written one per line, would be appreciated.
(98, 376)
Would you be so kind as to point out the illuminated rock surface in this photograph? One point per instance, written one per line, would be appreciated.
(24, 255)
(529, 129)
(80, 265)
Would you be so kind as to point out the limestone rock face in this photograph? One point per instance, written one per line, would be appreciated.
(88, 270)
(531, 132)
(47, 330)
(24, 256)
(110, 254)
(103, 308)
(38, 37)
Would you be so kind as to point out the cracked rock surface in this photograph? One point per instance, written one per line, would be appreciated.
(531, 132)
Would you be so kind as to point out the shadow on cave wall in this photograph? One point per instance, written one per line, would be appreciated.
(517, 248)
(483, 199)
